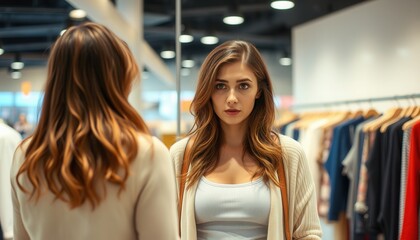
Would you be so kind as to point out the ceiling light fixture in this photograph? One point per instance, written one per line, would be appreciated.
(186, 38)
(188, 63)
(77, 14)
(282, 4)
(209, 40)
(285, 61)
(233, 19)
(16, 74)
(17, 64)
(167, 54)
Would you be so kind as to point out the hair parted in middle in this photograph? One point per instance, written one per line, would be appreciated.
(260, 142)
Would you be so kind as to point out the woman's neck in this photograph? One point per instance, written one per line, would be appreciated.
(233, 135)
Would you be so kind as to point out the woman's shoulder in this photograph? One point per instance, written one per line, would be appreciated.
(288, 142)
(19, 154)
(179, 147)
(150, 144)
(291, 148)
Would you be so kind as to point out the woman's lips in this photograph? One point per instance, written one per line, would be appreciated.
(232, 111)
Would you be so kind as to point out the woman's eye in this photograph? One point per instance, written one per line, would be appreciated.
(243, 86)
(220, 86)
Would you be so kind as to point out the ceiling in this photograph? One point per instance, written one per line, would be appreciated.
(29, 27)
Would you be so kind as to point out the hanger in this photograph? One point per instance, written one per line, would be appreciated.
(336, 119)
(393, 120)
(377, 123)
(370, 112)
(411, 123)
(416, 109)
(356, 113)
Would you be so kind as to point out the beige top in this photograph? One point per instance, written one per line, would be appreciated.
(303, 218)
(146, 209)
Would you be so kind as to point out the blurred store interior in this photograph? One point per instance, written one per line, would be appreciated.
(322, 55)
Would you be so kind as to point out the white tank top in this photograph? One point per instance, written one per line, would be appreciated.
(232, 211)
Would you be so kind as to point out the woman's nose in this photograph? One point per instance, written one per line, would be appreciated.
(232, 97)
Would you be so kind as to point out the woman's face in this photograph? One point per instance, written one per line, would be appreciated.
(234, 92)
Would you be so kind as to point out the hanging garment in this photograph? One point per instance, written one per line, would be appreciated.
(410, 226)
(389, 212)
(342, 140)
(9, 140)
(404, 170)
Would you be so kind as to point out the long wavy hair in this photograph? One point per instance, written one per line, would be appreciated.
(87, 131)
(260, 142)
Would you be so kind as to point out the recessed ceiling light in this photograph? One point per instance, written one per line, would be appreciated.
(186, 38)
(282, 4)
(209, 40)
(167, 54)
(285, 61)
(188, 63)
(77, 14)
(233, 20)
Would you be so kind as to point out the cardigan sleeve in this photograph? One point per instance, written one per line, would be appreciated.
(304, 217)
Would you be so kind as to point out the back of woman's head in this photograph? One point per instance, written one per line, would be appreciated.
(87, 131)
(233, 51)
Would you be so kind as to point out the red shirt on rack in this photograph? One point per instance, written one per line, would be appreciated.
(410, 228)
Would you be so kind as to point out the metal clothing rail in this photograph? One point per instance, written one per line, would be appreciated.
(378, 99)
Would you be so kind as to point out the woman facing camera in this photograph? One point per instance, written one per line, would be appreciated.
(237, 179)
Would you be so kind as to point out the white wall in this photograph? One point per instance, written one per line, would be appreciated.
(369, 50)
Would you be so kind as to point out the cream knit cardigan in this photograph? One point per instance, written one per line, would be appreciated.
(303, 215)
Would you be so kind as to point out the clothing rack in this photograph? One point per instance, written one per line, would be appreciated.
(378, 99)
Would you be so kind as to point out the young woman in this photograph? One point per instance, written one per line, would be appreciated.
(232, 190)
(91, 170)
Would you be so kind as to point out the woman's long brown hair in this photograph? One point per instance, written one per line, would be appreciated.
(259, 142)
(87, 132)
